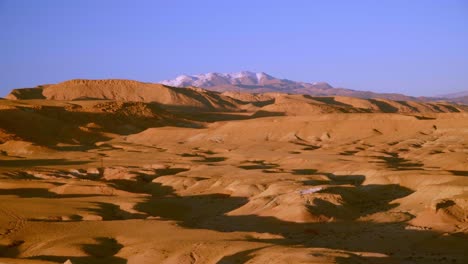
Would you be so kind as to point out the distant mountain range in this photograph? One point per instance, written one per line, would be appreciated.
(193, 99)
(454, 95)
(219, 84)
(261, 82)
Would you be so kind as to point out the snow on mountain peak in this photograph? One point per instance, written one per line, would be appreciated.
(214, 79)
(249, 81)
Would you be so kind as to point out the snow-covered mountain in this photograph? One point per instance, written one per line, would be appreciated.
(213, 79)
(261, 82)
(246, 81)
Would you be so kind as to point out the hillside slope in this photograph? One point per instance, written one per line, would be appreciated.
(126, 90)
(296, 104)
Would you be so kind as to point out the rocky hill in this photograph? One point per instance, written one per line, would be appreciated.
(126, 90)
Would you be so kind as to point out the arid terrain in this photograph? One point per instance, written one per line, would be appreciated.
(115, 171)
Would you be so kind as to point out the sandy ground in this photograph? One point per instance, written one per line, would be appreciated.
(304, 188)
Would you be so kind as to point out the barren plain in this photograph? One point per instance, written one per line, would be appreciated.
(125, 172)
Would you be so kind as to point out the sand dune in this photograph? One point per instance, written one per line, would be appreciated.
(246, 178)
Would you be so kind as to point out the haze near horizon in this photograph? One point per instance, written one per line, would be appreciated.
(417, 48)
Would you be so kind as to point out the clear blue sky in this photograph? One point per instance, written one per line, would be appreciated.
(413, 47)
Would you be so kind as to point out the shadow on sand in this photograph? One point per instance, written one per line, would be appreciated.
(102, 252)
(393, 161)
(39, 162)
(345, 232)
(40, 193)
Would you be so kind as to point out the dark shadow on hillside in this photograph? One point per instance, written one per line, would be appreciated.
(41, 193)
(74, 124)
(304, 171)
(253, 102)
(212, 159)
(393, 161)
(20, 175)
(141, 186)
(210, 211)
(263, 103)
(307, 146)
(451, 108)
(345, 233)
(73, 147)
(447, 107)
(216, 99)
(200, 211)
(405, 103)
(50, 127)
(328, 101)
(459, 172)
(359, 201)
(102, 252)
(39, 162)
(345, 179)
(198, 115)
(263, 113)
(28, 93)
(333, 179)
(349, 152)
(77, 125)
(10, 250)
(109, 211)
(424, 117)
(435, 107)
(239, 257)
(71, 218)
(259, 165)
(170, 171)
(190, 155)
(383, 106)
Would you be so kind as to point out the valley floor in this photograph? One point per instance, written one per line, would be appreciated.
(328, 188)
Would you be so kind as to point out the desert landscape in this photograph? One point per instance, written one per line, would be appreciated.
(119, 171)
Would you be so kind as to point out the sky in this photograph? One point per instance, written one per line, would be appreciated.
(411, 47)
